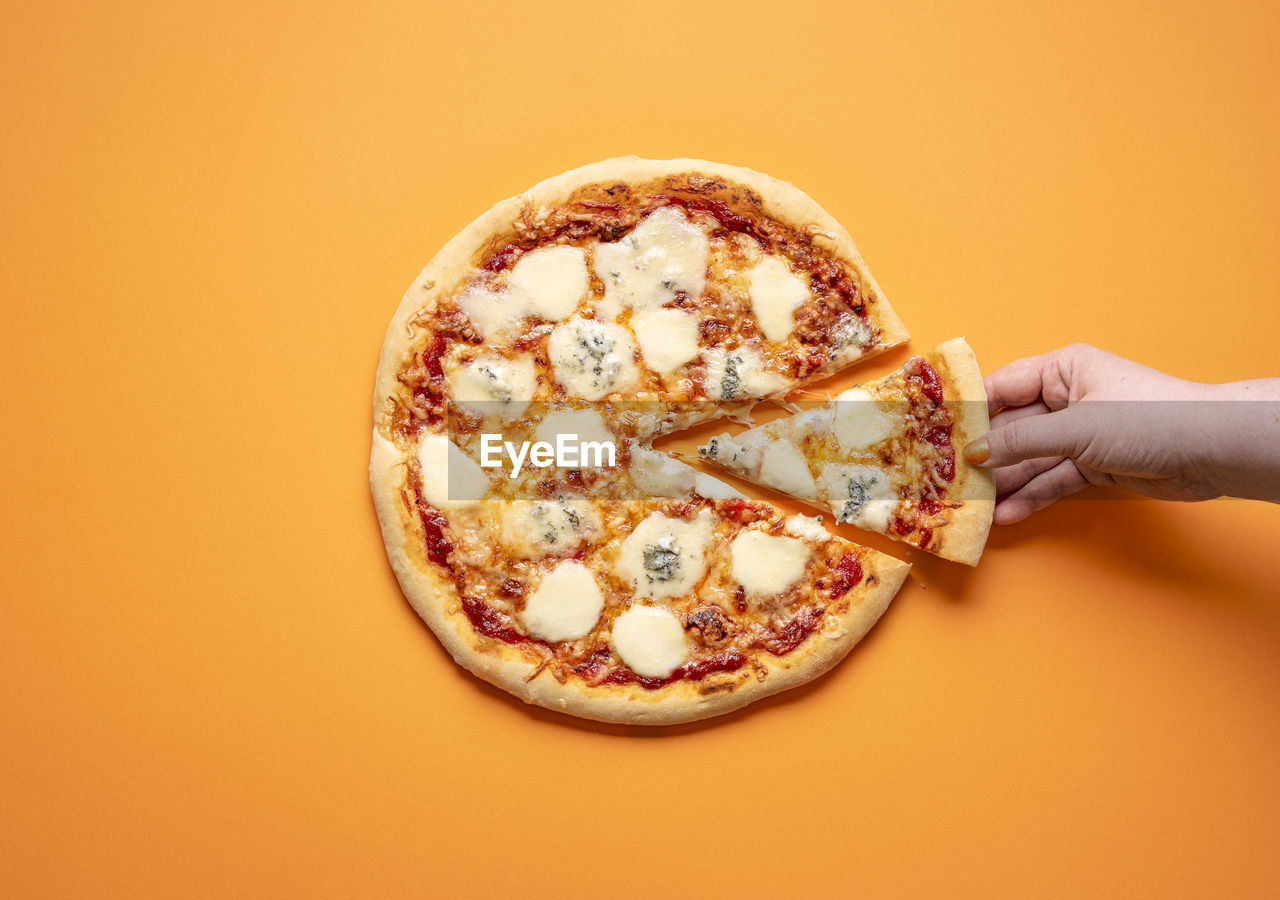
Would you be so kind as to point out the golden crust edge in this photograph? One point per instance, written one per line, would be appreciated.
(966, 536)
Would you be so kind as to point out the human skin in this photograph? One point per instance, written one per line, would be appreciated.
(1079, 416)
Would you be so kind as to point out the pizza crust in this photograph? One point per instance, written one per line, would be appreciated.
(436, 599)
(966, 535)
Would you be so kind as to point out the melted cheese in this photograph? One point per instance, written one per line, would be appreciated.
(665, 253)
(493, 386)
(807, 527)
(650, 640)
(565, 605)
(862, 421)
(585, 423)
(550, 281)
(783, 466)
(863, 495)
(493, 313)
(529, 529)
(665, 557)
(767, 564)
(851, 332)
(715, 489)
(668, 338)
(658, 475)
(449, 476)
(775, 294)
(741, 458)
(593, 359)
(739, 374)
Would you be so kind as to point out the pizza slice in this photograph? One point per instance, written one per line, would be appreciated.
(885, 455)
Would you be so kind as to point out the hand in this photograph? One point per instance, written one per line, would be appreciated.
(1080, 416)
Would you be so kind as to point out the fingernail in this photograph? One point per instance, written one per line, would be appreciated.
(977, 452)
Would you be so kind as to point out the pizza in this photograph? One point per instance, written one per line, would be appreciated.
(595, 312)
(884, 456)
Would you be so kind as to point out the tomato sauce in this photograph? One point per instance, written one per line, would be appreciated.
(848, 575)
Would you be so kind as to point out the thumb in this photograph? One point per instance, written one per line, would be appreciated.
(1059, 433)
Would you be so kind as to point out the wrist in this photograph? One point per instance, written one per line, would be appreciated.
(1232, 438)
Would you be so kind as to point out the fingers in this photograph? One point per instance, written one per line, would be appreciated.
(1047, 376)
(1039, 492)
(1010, 478)
(1019, 383)
(1030, 437)
(1014, 413)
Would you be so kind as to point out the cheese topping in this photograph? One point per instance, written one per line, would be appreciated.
(740, 457)
(784, 467)
(449, 476)
(767, 564)
(807, 527)
(665, 253)
(493, 386)
(552, 280)
(593, 359)
(862, 421)
(585, 423)
(715, 489)
(565, 605)
(650, 640)
(658, 475)
(668, 338)
(775, 294)
(493, 313)
(739, 374)
(664, 557)
(859, 494)
(529, 529)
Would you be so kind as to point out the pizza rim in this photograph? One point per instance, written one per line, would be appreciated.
(431, 594)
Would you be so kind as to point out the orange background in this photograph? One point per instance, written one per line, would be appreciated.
(210, 682)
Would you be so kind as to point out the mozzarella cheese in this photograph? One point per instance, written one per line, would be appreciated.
(807, 527)
(665, 253)
(565, 605)
(715, 489)
(593, 359)
(775, 293)
(551, 280)
(668, 338)
(494, 314)
(585, 423)
(739, 374)
(449, 476)
(650, 640)
(659, 475)
(665, 557)
(767, 564)
(783, 466)
(860, 494)
(530, 529)
(862, 421)
(493, 386)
